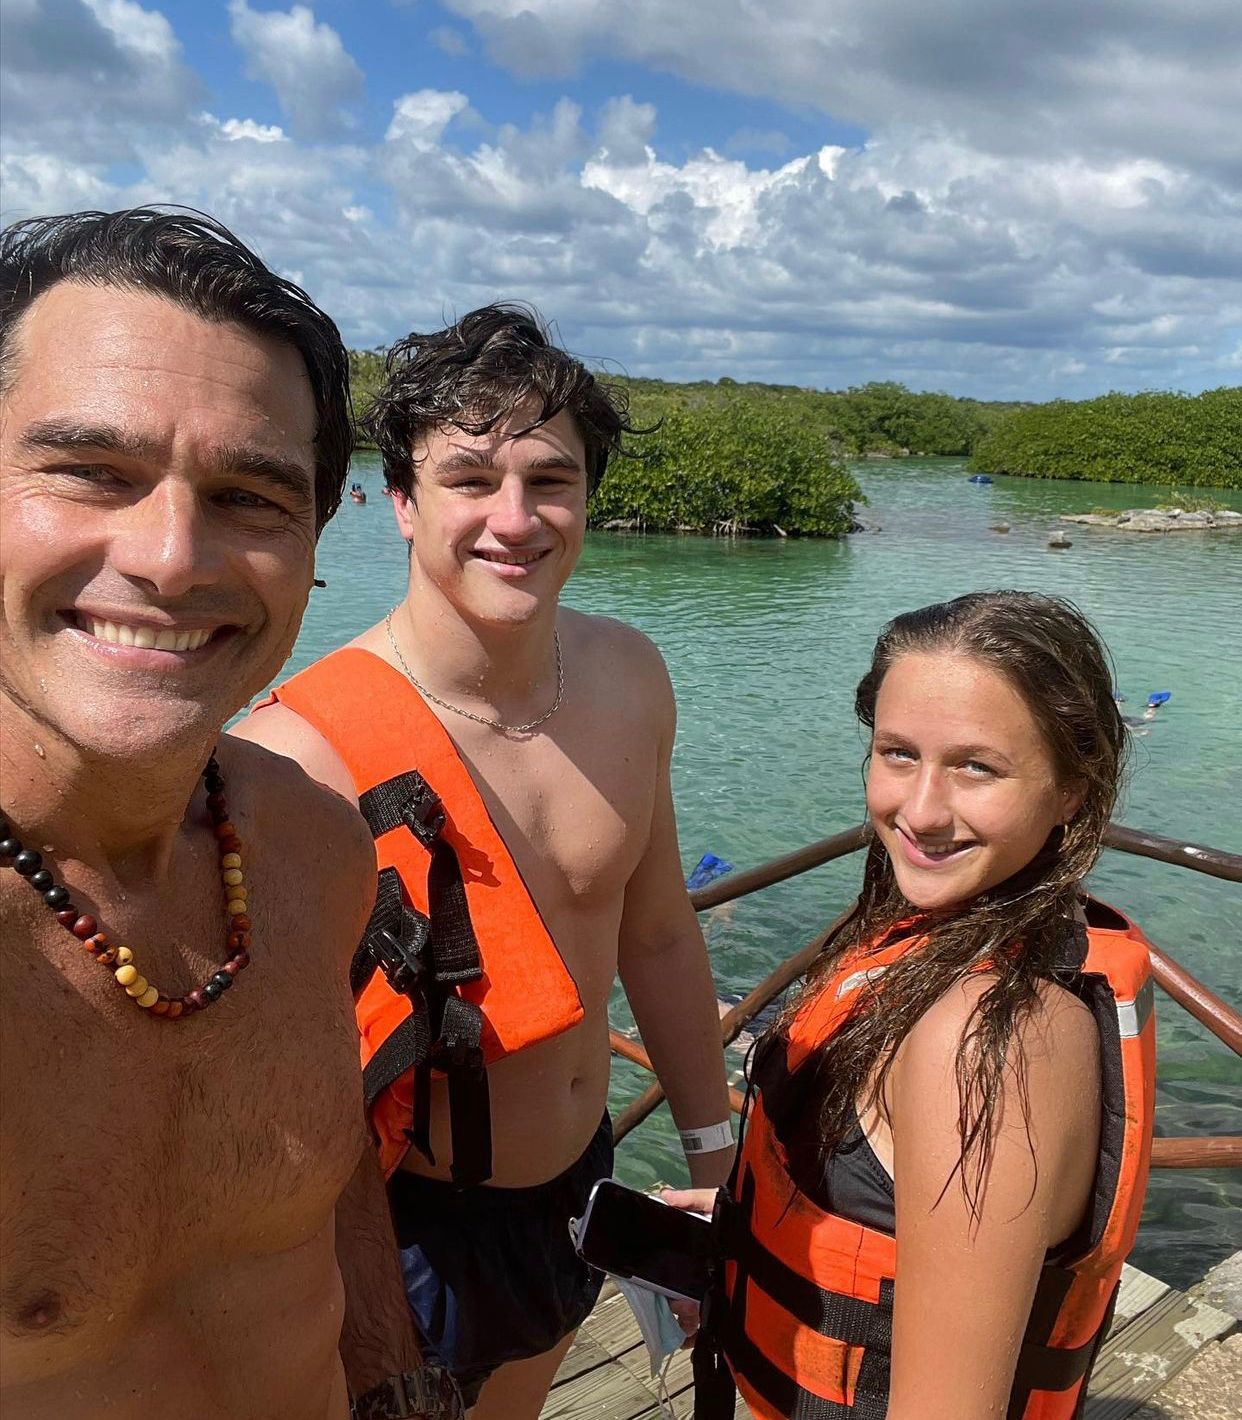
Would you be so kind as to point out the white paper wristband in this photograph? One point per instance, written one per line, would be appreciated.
(706, 1140)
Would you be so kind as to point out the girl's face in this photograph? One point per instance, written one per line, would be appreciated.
(961, 787)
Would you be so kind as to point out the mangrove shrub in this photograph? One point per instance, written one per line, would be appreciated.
(726, 465)
(1174, 439)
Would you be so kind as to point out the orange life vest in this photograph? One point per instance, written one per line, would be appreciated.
(804, 1310)
(456, 968)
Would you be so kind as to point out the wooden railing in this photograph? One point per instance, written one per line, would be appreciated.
(1193, 1152)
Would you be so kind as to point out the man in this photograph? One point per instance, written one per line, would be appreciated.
(180, 1079)
(534, 742)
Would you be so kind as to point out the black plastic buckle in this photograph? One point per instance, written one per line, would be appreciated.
(423, 814)
(402, 961)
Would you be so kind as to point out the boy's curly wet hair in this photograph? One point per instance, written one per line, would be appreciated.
(473, 375)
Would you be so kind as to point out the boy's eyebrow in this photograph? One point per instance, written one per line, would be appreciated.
(463, 459)
(73, 436)
(552, 461)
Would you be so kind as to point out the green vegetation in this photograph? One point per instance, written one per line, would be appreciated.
(885, 419)
(1176, 439)
(366, 375)
(1189, 503)
(730, 457)
(728, 465)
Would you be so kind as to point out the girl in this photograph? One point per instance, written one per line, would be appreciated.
(949, 1131)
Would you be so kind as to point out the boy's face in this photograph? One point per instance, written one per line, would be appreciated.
(498, 520)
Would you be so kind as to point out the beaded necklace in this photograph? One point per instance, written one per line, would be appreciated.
(120, 960)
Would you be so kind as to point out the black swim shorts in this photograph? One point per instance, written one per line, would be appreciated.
(490, 1273)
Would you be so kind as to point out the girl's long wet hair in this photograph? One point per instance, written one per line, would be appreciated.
(1053, 658)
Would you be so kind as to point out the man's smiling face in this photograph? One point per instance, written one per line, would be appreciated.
(497, 520)
(157, 496)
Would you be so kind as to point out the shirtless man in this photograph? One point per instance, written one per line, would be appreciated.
(492, 441)
(176, 1129)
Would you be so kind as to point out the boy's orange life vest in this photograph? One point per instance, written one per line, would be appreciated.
(804, 1316)
(456, 968)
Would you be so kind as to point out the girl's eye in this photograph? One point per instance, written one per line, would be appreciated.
(978, 768)
(897, 755)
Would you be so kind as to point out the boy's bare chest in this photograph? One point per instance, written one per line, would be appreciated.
(576, 817)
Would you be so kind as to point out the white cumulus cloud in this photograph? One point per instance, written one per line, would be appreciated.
(1014, 228)
(1110, 78)
(420, 119)
(314, 76)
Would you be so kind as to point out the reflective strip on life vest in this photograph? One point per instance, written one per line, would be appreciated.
(1132, 1015)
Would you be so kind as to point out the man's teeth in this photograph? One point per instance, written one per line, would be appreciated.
(147, 638)
(510, 559)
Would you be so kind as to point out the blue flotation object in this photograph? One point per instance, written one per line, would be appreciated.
(979, 478)
(707, 870)
(1158, 697)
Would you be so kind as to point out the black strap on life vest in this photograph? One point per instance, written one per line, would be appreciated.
(424, 957)
(1054, 1368)
(395, 941)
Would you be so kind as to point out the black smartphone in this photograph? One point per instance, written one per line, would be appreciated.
(634, 1235)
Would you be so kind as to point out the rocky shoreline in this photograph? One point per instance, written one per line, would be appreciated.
(1157, 520)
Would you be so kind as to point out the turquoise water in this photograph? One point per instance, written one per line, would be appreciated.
(765, 641)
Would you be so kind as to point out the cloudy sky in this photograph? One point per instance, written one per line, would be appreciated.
(1002, 198)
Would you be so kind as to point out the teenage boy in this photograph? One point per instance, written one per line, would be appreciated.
(482, 717)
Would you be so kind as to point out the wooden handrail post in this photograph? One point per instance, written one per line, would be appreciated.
(1213, 861)
(777, 870)
(1197, 1152)
(1193, 997)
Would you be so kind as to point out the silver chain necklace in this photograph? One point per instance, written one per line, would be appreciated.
(469, 714)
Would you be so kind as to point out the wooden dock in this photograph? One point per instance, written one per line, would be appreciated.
(1157, 1333)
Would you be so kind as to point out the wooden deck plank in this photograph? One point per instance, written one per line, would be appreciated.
(1146, 1352)
(612, 1326)
(586, 1354)
(1156, 1333)
(1138, 1293)
(607, 1393)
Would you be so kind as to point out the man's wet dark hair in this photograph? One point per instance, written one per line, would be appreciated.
(190, 259)
(474, 374)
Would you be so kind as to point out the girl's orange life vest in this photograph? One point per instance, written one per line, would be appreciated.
(456, 968)
(804, 1317)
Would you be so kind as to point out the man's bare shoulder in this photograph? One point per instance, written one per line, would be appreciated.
(276, 728)
(325, 866)
(285, 794)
